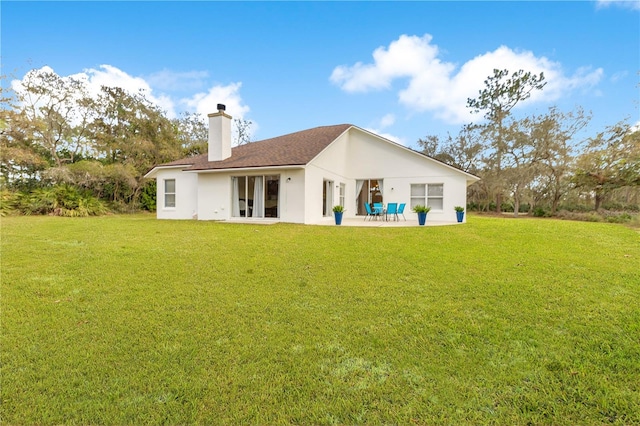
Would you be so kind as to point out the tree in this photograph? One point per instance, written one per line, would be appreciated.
(553, 137)
(501, 94)
(520, 159)
(193, 134)
(135, 134)
(22, 157)
(611, 161)
(434, 147)
(629, 167)
(58, 112)
(243, 130)
(462, 152)
(53, 133)
(466, 149)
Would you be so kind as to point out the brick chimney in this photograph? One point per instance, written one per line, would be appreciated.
(219, 135)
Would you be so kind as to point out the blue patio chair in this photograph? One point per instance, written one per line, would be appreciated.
(370, 213)
(378, 208)
(401, 211)
(392, 209)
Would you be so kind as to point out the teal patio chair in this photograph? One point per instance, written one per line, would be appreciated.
(378, 208)
(370, 213)
(401, 211)
(392, 209)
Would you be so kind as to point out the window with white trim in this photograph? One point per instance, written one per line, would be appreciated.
(418, 195)
(435, 196)
(430, 194)
(342, 193)
(169, 192)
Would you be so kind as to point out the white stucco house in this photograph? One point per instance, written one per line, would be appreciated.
(299, 177)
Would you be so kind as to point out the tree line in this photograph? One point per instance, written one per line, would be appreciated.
(67, 151)
(543, 163)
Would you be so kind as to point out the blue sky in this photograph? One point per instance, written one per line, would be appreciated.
(402, 69)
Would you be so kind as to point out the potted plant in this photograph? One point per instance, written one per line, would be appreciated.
(422, 213)
(459, 213)
(337, 213)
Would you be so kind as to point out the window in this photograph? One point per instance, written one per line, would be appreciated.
(435, 194)
(418, 195)
(431, 195)
(342, 192)
(169, 192)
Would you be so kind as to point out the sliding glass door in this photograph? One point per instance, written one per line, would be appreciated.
(368, 191)
(327, 198)
(255, 196)
(272, 196)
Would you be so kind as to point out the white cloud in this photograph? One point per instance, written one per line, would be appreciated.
(442, 87)
(387, 120)
(627, 4)
(110, 76)
(93, 80)
(202, 103)
(406, 57)
(206, 102)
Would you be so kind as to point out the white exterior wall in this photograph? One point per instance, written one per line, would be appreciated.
(186, 195)
(398, 190)
(313, 194)
(292, 196)
(359, 155)
(332, 164)
(401, 168)
(354, 155)
(214, 192)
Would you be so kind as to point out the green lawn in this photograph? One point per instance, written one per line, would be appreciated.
(131, 320)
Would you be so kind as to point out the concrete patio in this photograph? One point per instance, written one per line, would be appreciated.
(384, 224)
(358, 221)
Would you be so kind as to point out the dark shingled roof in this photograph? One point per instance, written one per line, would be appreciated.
(289, 150)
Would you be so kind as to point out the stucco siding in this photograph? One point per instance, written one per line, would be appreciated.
(371, 156)
(398, 190)
(355, 155)
(186, 198)
(360, 155)
(292, 196)
(314, 182)
(214, 193)
(333, 165)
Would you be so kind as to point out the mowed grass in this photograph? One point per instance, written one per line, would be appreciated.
(131, 320)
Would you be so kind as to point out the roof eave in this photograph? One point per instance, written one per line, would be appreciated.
(245, 169)
(151, 173)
